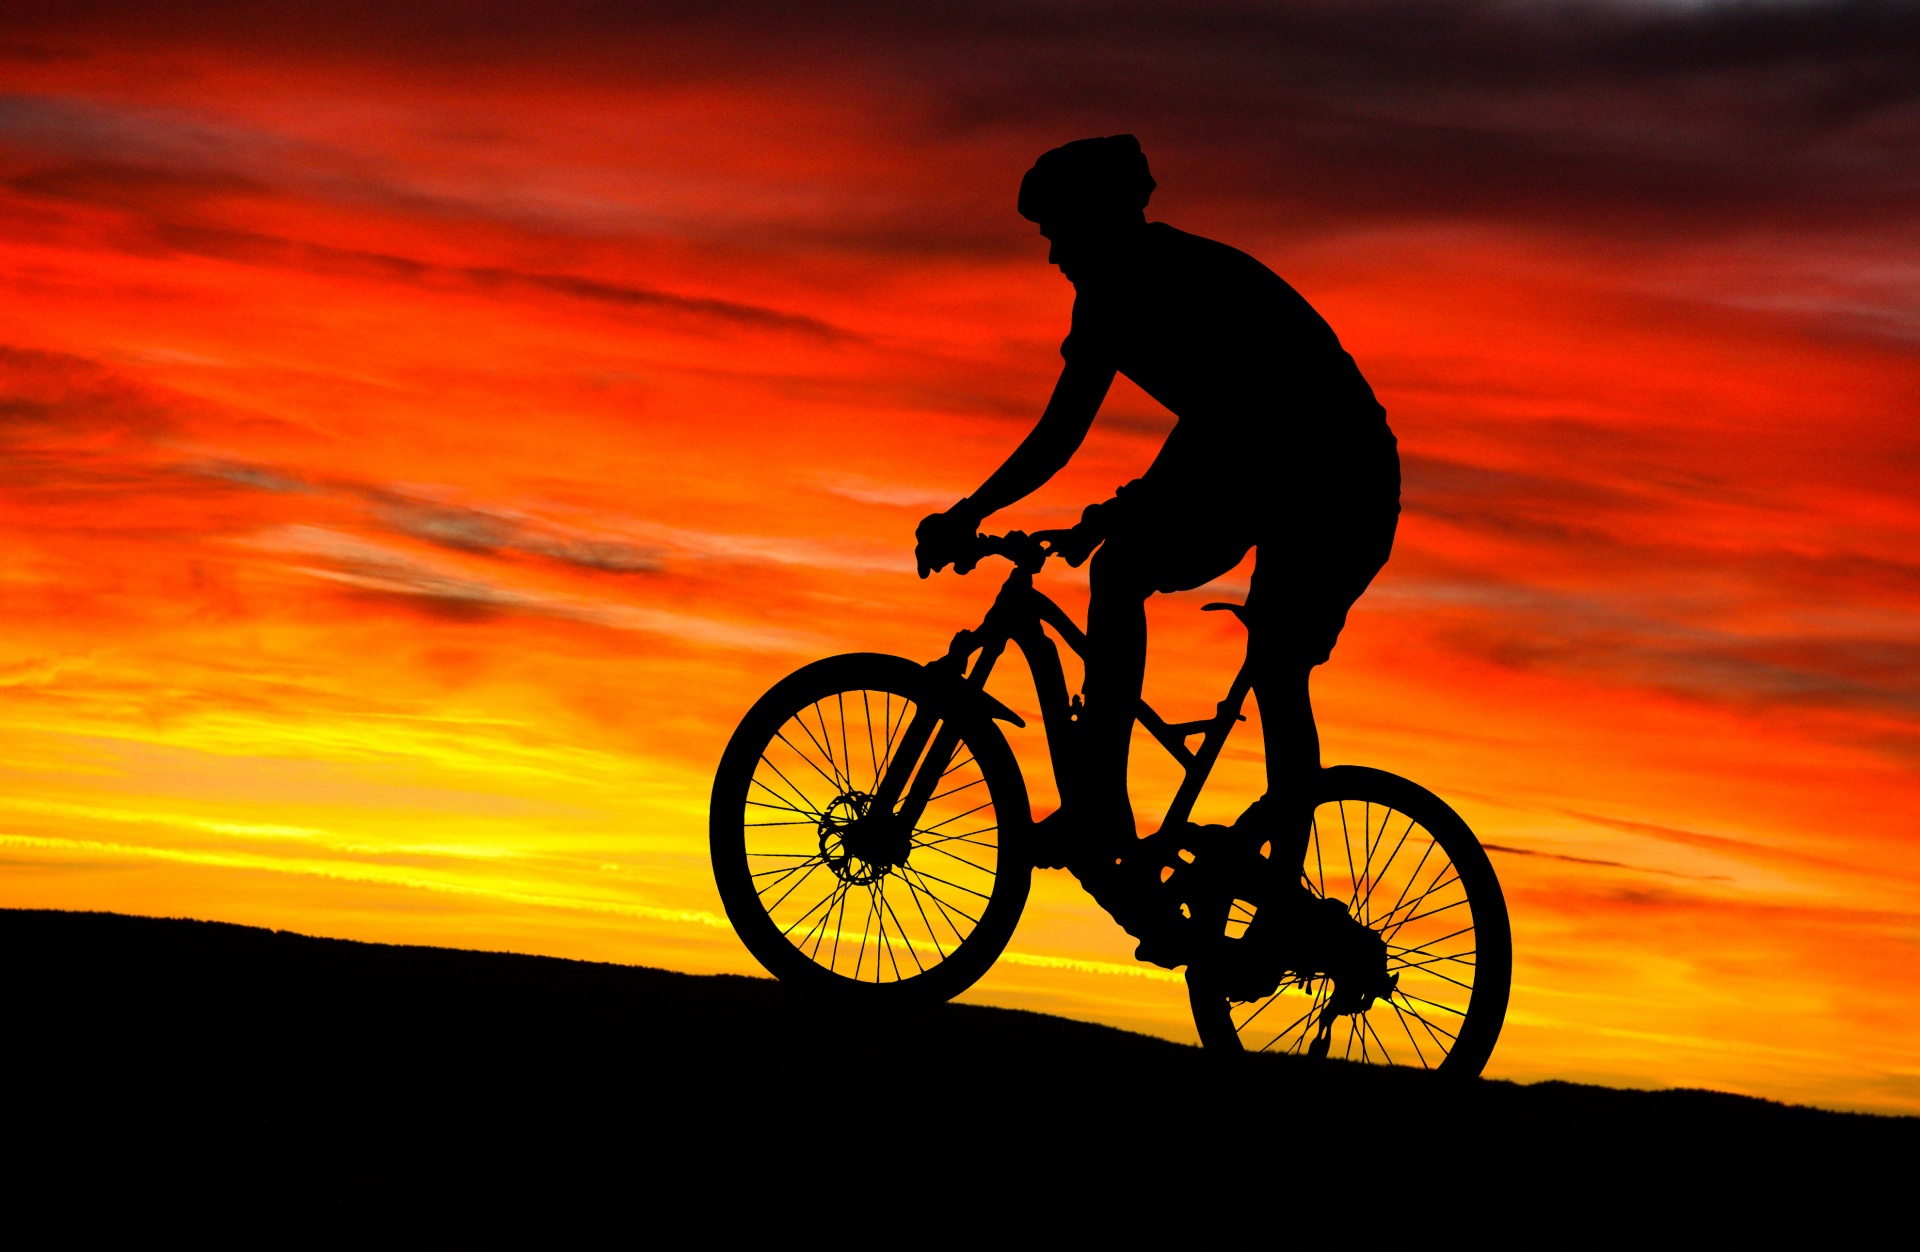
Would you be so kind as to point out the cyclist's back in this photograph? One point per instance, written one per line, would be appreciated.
(1239, 356)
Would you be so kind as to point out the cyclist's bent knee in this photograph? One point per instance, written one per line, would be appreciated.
(1116, 572)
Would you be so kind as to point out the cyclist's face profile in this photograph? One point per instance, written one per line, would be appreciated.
(1080, 247)
(1067, 248)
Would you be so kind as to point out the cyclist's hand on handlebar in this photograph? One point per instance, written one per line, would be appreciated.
(1076, 545)
(947, 539)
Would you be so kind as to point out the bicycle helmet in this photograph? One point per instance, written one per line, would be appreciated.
(1088, 180)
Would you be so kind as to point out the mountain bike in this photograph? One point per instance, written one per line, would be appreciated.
(872, 840)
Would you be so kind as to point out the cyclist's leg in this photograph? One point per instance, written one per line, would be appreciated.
(1305, 582)
(1170, 545)
(1116, 664)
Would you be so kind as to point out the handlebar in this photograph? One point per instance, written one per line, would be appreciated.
(1027, 551)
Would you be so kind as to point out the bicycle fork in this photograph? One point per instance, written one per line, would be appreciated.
(927, 746)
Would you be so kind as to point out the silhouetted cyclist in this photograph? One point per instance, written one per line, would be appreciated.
(1280, 446)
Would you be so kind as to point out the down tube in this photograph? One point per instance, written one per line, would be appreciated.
(1050, 685)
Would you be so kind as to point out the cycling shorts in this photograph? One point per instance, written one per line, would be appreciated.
(1319, 544)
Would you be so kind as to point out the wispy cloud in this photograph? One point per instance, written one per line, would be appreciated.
(1529, 626)
(898, 495)
(366, 566)
(620, 545)
(491, 530)
(1600, 863)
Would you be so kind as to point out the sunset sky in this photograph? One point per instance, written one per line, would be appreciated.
(425, 429)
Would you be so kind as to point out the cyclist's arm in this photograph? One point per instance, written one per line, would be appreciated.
(1051, 444)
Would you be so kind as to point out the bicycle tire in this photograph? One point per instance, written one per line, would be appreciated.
(771, 835)
(1445, 1003)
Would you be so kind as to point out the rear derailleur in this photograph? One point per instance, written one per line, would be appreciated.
(1214, 898)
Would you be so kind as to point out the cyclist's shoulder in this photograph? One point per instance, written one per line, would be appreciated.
(1171, 241)
(1197, 261)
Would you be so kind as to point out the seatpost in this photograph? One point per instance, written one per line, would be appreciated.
(1225, 715)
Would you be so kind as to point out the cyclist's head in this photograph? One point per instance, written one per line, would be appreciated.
(1088, 185)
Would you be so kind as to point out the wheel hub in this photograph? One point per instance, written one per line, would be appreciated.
(860, 846)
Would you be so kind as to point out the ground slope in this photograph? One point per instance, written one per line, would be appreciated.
(330, 1077)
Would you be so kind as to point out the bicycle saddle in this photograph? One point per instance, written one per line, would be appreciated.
(1238, 610)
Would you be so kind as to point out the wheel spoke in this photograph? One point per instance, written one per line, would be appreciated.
(1346, 841)
(954, 791)
(1288, 1028)
(939, 907)
(933, 936)
(839, 927)
(785, 872)
(956, 817)
(936, 897)
(945, 882)
(886, 751)
(1433, 1032)
(1429, 913)
(1395, 854)
(1363, 890)
(1366, 1024)
(797, 790)
(1413, 878)
(786, 805)
(866, 932)
(817, 931)
(956, 856)
(1434, 973)
(1440, 880)
(1412, 1000)
(900, 930)
(846, 754)
(1417, 1049)
(831, 779)
(781, 808)
(789, 891)
(843, 780)
(1394, 947)
(1395, 962)
(968, 837)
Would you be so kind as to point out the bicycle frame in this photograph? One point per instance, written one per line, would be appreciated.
(1018, 615)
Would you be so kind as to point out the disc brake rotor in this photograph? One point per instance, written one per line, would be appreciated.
(842, 846)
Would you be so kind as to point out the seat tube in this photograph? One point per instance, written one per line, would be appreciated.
(1224, 718)
(1050, 684)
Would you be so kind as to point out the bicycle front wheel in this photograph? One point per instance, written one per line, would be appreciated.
(916, 923)
(1406, 866)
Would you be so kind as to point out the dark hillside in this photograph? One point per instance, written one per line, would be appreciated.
(232, 1066)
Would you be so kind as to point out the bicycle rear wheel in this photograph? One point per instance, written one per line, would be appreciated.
(917, 924)
(1408, 867)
